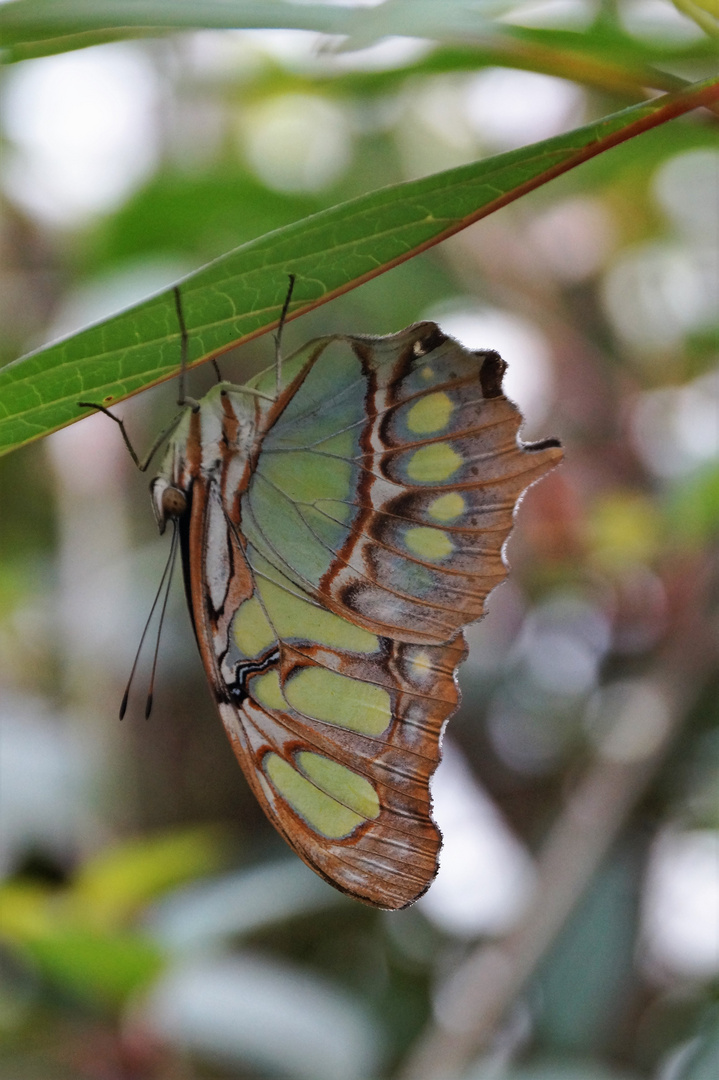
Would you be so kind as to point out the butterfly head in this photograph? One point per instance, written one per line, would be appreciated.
(168, 501)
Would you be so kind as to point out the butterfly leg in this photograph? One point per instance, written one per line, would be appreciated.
(143, 464)
(278, 335)
(182, 398)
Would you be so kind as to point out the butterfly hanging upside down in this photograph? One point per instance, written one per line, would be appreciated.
(341, 520)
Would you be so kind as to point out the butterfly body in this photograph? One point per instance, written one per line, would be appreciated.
(337, 533)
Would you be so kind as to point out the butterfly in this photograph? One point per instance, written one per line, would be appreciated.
(341, 518)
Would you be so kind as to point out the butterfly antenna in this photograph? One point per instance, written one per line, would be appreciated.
(171, 565)
(168, 567)
(278, 335)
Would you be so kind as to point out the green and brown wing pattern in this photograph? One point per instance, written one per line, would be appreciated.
(400, 486)
(330, 597)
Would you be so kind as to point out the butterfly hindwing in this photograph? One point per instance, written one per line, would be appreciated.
(336, 729)
(336, 543)
(344, 727)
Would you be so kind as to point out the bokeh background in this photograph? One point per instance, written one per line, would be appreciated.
(152, 924)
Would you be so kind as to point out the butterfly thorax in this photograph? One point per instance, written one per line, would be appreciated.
(215, 439)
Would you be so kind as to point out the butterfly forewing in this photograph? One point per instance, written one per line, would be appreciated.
(395, 508)
(336, 542)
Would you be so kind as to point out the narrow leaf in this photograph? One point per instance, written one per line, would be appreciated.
(240, 295)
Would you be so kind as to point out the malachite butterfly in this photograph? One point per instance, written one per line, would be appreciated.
(341, 519)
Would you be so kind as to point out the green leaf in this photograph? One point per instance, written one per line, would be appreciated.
(99, 965)
(30, 28)
(582, 982)
(705, 13)
(700, 1056)
(693, 507)
(604, 54)
(604, 57)
(102, 970)
(112, 885)
(240, 295)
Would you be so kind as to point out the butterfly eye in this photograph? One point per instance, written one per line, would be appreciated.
(174, 502)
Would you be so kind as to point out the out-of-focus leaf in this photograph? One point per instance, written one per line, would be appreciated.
(41, 928)
(624, 529)
(179, 212)
(101, 969)
(111, 886)
(38, 27)
(694, 507)
(24, 910)
(240, 295)
(700, 1059)
(70, 935)
(705, 13)
(554, 1069)
(605, 56)
(579, 989)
